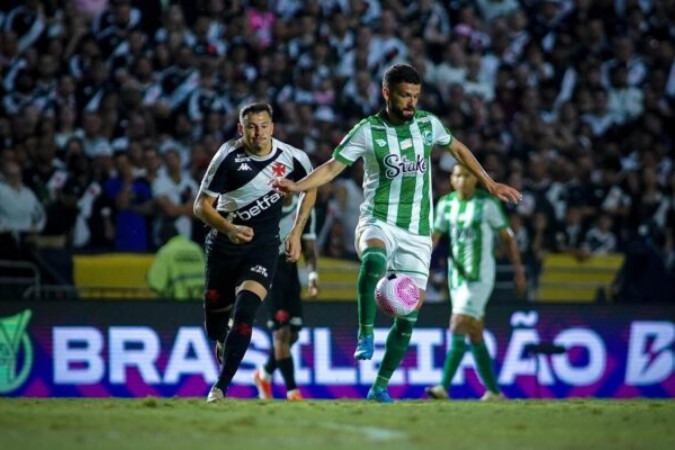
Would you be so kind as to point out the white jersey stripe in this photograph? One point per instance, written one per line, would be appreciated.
(453, 213)
(418, 144)
(395, 189)
(468, 220)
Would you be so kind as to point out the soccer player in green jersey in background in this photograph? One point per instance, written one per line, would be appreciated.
(471, 218)
(394, 231)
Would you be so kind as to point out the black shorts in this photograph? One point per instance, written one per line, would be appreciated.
(228, 265)
(283, 300)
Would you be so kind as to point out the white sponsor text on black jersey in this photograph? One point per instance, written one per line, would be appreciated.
(243, 184)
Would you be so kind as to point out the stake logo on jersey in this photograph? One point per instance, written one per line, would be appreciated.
(243, 183)
(397, 165)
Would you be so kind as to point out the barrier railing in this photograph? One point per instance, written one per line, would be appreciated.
(18, 276)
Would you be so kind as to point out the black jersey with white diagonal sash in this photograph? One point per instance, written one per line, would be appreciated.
(243, 184)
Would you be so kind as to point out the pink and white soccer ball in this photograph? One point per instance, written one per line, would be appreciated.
(397, 295)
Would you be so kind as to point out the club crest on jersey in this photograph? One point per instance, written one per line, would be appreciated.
(426, 137)
(279, 169)
(397, 165)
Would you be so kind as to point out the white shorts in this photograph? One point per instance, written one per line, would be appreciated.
(471, 299)
(407, 253)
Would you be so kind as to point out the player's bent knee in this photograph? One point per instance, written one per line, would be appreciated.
(373, 263)
(254, 287)
(461, 324)
(475, 333)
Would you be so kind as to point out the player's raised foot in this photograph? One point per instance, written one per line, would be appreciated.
(380, 395)
(490, 396)
(294, 394)
(215, 395)
(437, 392)
(364, 347)
(263, 382)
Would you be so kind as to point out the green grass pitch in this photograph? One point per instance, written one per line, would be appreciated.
(180, 423)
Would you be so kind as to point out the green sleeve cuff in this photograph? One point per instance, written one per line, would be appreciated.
(342, 159)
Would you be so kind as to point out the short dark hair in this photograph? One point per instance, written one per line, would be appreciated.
(401, 73)
(254, 108)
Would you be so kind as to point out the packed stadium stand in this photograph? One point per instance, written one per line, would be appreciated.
(111, 109)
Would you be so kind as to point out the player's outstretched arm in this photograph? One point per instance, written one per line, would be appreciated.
(466, 158)
(293, 244)
(309, 253)
(509, 242)
(323, 174)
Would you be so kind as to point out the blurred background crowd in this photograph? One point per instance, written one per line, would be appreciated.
(111, 110)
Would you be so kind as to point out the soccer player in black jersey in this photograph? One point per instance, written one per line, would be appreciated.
(237, 201)
(284, 305)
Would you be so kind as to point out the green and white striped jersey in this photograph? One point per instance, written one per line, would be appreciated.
(471, 226)
(396, 165)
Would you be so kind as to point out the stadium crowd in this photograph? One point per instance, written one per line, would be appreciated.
(111, 109)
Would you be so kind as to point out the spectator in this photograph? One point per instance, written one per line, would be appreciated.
(429, 19)
(78, 196)
(452, 68)
(91, 8)
(174, 29)
(131, 205)
(21, 214)
(174, 192)
(205, 100)
(46, 178)
(491, 9)
(27, 22)
(600, 240)
(361, 96)
(593, 125)
(625, 101)
(95, 143)
(177, 82)
(643, 277)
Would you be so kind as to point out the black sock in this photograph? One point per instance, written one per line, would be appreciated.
(271, 364)
(239, 337)
(288, 371)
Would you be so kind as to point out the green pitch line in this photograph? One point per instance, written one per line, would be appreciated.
(354, 425)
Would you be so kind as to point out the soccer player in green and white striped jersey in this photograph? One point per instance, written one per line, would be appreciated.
(394, 231)
(472, 219)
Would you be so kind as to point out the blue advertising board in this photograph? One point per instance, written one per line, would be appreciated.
(159, 348)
